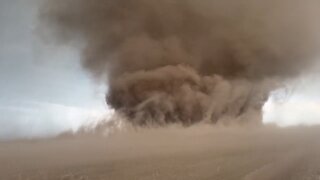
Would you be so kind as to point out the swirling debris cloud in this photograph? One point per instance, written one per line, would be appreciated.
(184, 61)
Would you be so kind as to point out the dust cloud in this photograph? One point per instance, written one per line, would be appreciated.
(180, 63)
(173, 61)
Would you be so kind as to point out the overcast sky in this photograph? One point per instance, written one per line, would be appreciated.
(44, 91)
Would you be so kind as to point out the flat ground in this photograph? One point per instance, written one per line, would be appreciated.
(197, 153)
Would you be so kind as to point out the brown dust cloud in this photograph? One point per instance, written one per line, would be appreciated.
(189, 80)
(173, 61)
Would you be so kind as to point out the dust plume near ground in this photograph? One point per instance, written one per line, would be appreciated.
(173, 61)
(199, 152)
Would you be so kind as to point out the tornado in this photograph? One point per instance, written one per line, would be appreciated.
(186, 61)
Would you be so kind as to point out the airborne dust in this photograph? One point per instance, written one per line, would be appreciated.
(174, 61)
(181, 62)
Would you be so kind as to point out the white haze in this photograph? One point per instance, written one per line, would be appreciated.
(297, 104)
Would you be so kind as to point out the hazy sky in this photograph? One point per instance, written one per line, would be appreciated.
(44, 91)
(301, 104)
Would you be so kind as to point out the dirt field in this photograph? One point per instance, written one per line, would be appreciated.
(197, 153)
